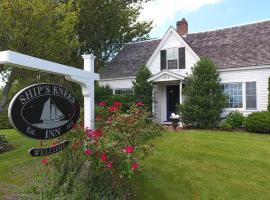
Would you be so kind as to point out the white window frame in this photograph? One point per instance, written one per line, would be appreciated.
(123, 89)
(256, 84)
(177, 58)
(244, 106)
(242, 96)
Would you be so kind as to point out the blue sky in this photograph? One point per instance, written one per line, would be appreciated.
(204, 15)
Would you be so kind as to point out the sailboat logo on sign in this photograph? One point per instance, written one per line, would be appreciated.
(51, 116)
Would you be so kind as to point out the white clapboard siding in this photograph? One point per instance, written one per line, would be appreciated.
(119, 83)
(174, 41)
(260, 75)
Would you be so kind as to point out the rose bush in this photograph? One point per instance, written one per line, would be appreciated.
(99, 163)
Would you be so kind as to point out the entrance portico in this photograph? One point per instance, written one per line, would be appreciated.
(167, 94)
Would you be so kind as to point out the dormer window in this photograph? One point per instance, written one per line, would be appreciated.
(172, 58)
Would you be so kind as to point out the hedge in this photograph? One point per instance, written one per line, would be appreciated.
(258, 122)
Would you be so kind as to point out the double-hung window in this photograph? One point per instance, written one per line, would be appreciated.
(172, 58)
(251, 102)
(234, 94)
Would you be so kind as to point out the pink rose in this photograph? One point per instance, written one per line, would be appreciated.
(104, 157)
(45, 161)
(128, 149)
(102, 104)
(87, 152)
(109, 165)
(139, 104)
(134, 166)
(117, 104)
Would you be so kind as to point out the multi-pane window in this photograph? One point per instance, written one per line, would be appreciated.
(251, 103)
(234, 94)
(172, 58)
(123, 91)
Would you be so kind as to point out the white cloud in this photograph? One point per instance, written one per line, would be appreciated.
(162, 10)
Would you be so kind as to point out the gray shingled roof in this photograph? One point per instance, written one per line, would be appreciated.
(240, 46)
(129, 59)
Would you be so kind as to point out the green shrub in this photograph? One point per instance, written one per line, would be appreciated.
(235, 119)
(258, 122)
(3, 140)
(98, 164)
(4, 121)
(225, 126)
(204, 98)
(143, 90)
(102, 93)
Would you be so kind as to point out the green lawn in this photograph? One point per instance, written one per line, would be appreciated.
(186, 165)
(16, 166)
(207, 165)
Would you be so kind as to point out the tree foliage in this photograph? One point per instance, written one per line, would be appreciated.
(142, 88)
(204, 98)
(106, 25)
(40, 28)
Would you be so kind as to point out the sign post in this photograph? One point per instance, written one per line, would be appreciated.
(85, 78)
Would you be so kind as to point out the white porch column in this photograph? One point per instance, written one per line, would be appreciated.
(89, 93)
(180, 92)
(153, 101)
(180, 99)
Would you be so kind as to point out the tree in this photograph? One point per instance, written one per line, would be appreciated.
(204, 98)
(142, 88)
(41, 28)
(106, 25)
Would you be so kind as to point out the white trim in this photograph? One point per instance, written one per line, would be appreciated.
(166, 72)
(244, 68)
(163, 40)
(122, 78)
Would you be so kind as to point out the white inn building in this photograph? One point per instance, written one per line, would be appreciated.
(242, 54)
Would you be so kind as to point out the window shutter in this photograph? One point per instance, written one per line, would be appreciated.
(182, 58)
(163, 59)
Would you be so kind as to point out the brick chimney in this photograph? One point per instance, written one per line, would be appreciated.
(182, 27)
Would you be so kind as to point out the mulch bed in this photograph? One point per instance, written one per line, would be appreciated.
(6, 148)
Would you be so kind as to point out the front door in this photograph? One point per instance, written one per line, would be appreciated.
(172, 99)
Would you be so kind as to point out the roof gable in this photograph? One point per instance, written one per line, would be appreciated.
(163, 41)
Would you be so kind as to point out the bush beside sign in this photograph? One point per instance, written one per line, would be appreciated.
(43, 111)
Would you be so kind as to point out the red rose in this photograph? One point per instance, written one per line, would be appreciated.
(45, 161)
(113, 109)
(88, 132)
(117, 104)
(97, 133)
(110, 120)
(87, 152)
(134, 166)
(139, 104)
(104, 157)
(102, 104)
(128, 149)
(109, 165)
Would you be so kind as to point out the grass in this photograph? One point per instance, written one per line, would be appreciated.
(16, 166)
(187, 165)
(207, 165)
